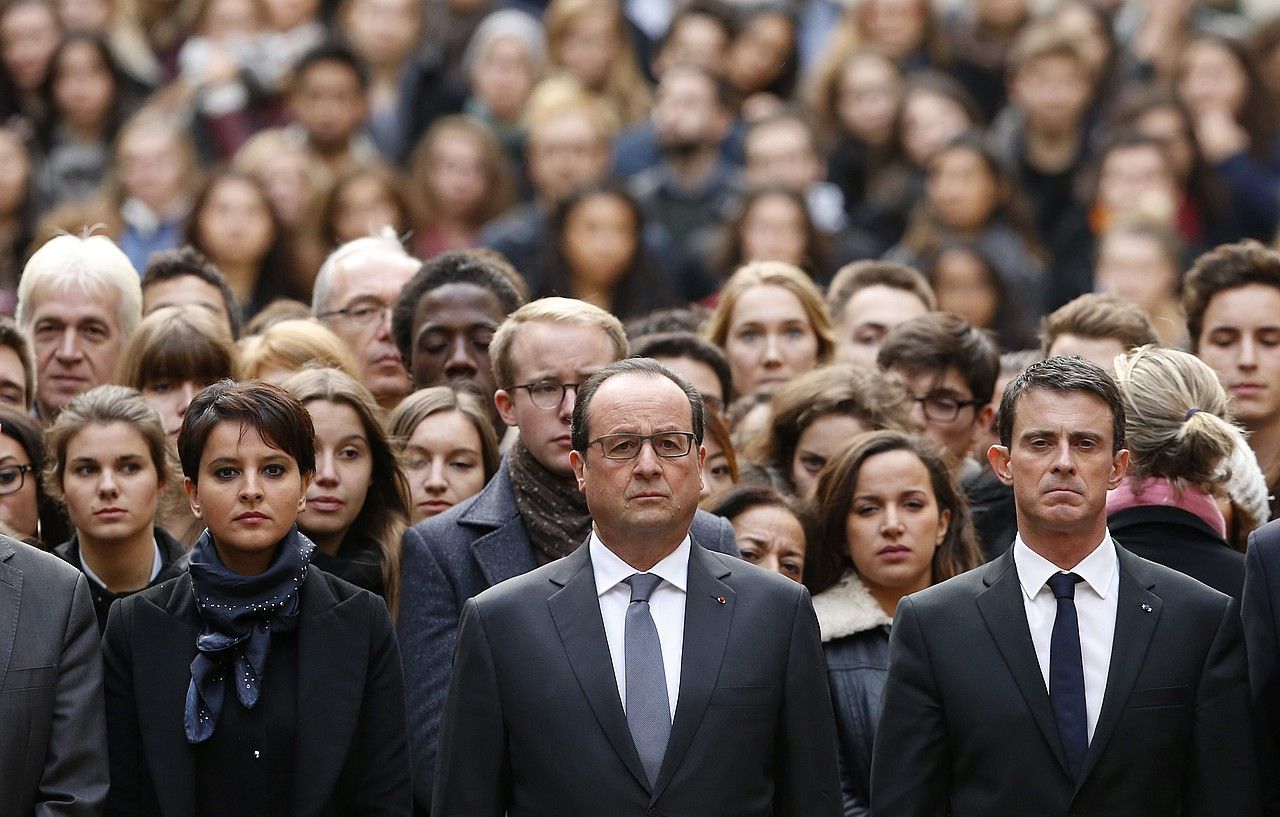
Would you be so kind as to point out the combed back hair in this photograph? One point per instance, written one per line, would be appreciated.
(102, 406)
(412, 410)
(94, 264)
(458, 267)
(674, 345)
(384, 244)
(568, 311)
(177, 343)
(1013, 364)
(275, 414)
(292, 344)
(784, 276)
(857, 276)
(872, 398)
(1097, 315)
(1062, 375)
(1229, 266)
(827, 557)
(385, 513)
(1178, 417)
(185, 261)
(938, 341)
(12, 337)
(580, 431)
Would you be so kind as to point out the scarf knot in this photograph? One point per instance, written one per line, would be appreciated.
(553, 510)
(238, 614)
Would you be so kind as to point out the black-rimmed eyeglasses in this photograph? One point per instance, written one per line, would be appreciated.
(12, 478)
(547, 394)
(666, 444)
(942, 409)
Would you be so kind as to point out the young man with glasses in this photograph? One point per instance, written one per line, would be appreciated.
(531, 513)
(670, 679)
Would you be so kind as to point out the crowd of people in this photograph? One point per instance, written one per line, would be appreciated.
(360, 359)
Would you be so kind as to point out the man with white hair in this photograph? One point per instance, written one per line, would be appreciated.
(78, 300)
(353, 295)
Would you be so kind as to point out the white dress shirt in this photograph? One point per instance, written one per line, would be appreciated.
(666, 605)
(1096, 602)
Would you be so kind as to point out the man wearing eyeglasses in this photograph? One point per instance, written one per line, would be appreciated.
(670, 679)
(531, 513)
(353, 293)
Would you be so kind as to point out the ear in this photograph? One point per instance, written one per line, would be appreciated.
(944, 524)
(702, 467)
(504, 403)
(1119, 467)
(982, 420)
(190, 488)
(579, 466)
(306, 485)
(998, 457)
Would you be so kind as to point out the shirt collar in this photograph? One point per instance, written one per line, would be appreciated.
(610, 570)
(1097, 569)
(157, 564)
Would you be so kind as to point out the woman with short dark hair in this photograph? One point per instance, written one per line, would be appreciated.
(262, 686)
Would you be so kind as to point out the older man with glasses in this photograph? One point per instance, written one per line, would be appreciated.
(531, 513)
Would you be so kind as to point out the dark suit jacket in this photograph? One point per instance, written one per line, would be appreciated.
(967, 727)
(352, 753)
(1261, 614)
(534, 726)
(445, 561)
(1183, 541)
(52, 737)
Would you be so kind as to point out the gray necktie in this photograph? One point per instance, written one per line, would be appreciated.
(648, 712)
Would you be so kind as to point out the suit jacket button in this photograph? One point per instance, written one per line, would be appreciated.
(653, 812)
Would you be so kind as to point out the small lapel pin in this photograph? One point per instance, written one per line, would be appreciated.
(720, 599)
(1146, 608)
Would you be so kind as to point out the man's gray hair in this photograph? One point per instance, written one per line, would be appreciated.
(94, 264)
(386, 241)
(579, 431)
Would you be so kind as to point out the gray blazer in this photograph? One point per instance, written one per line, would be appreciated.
(53, 741)
(534, 725)
(445, 561)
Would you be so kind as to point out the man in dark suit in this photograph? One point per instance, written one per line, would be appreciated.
(1068, 676)
(53, 739)
(1261, 613)
(530, 513)
(643, 674)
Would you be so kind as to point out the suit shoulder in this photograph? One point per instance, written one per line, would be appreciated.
(45, 567)
(535, 584)
(1265, 542)
(945, 597)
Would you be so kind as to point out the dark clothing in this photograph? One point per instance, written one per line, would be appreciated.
(358, 561)
(967, 728)
(1181, 540)
(352, 753)
(691, 217)
(254, 747)
(1261, 614)
(173, 562)
(637, 149)
(449, 558)
(995, 519)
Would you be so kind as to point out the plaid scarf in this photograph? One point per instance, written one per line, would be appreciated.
(554, 511)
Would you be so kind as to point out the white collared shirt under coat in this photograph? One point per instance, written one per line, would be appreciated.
(1096, 600)
(666, 605)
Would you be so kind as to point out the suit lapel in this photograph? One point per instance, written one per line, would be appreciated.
(575, 609)
(1137, 614)
(1006, 618)
(708, 612)
(505, 551)
(10, 602)
(166, 645)
(326, 690)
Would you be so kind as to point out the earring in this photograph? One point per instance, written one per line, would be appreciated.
(195, 509)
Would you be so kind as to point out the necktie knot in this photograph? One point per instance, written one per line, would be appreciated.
(1063, 585)
(643, 585)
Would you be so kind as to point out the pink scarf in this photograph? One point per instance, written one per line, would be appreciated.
(1161, 491)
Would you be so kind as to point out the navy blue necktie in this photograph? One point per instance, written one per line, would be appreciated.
(648, 707)
(1066, 673)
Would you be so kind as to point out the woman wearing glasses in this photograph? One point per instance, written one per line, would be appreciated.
(27, 512)
(261, 685)
(109, 463)
(889, 520)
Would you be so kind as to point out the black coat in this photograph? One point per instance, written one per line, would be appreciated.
(1183, 541)
(352, 748)
(1261, 614)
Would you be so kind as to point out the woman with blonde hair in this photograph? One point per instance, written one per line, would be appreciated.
(1180, 438)
(447, 447)
(287, 346)
(358, 502)
(815, 415)
(772, 324)
(590, 40)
